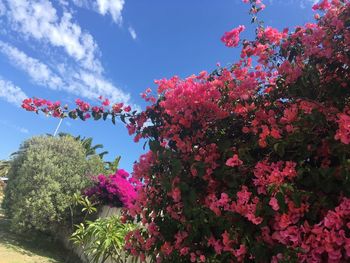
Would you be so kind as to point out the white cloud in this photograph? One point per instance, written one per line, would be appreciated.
(81, 72)
(132, 32)
(76, 81)
(11, 92)
(39, 72)
(113, 7)
(82, 3)
(93, 85)
(39, 19)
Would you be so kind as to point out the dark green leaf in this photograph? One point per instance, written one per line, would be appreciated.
(281, 202)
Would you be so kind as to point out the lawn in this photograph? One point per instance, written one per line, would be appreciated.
(16, 248)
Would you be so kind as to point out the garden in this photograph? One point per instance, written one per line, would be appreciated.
(246, 163)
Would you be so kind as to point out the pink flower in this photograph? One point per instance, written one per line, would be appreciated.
(127, 109)
(226, 241)
(240, 253)
(166, 248)
(290, 114)
(275, 134)
(234, 161)
(184, 251)
(284, 221)
(176, 194)
(274, 204)
(115, 189)
(343, 133)
(216, 244)
(117, 107)
(95, 109)
(271, 34)
(106, 102)
(231, 38)
(193, 257)
(324, 5)
(243, 196)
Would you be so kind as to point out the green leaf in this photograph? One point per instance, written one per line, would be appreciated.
(96, 115)
(72, 115)
(281, 202)
(279, 149)
(200, 168)
(176, 166)
(122, 117)
(154, 145)
(80, 114)
(296, 199)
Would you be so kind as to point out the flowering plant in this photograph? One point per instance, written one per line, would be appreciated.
(250, 163)
(115, 190)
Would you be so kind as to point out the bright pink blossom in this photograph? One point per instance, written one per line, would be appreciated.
(234, 161)
(231, 38)
(274, 204)
(343, 133)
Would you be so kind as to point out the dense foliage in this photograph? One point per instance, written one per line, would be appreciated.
(249, 163)
(44, 175)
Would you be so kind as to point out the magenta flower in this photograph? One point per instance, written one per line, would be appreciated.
(115, 190)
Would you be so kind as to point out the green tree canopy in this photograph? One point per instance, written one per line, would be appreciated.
(44, 175)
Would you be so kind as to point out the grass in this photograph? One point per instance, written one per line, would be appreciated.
(38, 248)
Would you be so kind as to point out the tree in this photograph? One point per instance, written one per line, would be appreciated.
(44, 175)
(110, 166)
(90, 149)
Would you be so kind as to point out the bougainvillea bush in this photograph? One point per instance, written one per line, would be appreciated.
(250, 163)
(117, 190)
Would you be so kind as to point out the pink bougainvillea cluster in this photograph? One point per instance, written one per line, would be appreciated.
(116, 190)
(248, 163)
(83, 109)
(231, 38)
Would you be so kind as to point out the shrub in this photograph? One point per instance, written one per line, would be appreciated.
(249, 163)
(44, 175)
(115, 190)
(103, 239)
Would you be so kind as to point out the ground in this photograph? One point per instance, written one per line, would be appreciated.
(16, 248)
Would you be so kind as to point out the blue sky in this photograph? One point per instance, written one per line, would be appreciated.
(67, 49)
